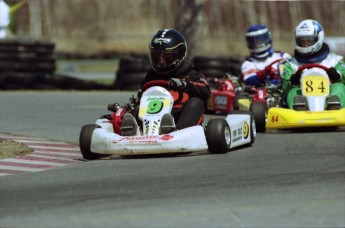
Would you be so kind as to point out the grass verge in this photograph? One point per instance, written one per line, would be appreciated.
(10, 149)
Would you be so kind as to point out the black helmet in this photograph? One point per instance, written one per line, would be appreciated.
(168, 49)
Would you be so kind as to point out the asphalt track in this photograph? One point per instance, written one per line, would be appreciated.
(286, 179)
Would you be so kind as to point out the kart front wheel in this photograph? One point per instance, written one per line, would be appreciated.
(258, 109)
(85, 142)
(218, 136)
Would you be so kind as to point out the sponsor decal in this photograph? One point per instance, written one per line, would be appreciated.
(138, 139)
(119, 111)
(167, 137)
(237, 139)
(155, 98)
(304, 26)
(261, 94)
(161, 40)
(318, 113)
(229, 85)
(237, 134)
(245, 130)
(221, 100)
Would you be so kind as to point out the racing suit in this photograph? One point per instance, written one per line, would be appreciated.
(190, 110)
(322, 57)
(255, 71)
(4, 18)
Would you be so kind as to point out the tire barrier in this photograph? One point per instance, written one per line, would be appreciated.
(29, 64)
(36, 81)
(23, 62)
(132, 69)
(27, 56)
(217, 66)
(131, 72)
(98, 55)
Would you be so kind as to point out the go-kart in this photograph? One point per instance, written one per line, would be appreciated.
(315, 87)
(259, 99)
(219, 135)
(223, 92)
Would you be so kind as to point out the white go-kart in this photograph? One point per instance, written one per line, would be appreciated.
(219, 135)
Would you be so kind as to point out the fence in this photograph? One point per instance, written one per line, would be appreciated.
(127, 25)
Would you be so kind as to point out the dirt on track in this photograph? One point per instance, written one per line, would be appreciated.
(10, 149)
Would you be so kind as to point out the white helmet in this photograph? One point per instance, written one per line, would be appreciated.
(309, 36)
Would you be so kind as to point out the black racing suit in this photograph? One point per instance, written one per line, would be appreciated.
(190, 110)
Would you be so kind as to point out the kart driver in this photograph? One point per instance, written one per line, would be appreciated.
(167, 52)
(310, 48)
(260, 66)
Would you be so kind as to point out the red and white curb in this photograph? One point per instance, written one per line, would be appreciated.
(46, 155)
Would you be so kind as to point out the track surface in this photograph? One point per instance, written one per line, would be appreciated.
(286, 179)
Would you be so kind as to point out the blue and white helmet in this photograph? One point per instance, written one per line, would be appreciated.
(259, 40)
(312, 30)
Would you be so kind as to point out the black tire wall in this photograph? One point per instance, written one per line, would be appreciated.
(23, 63)
(217, 66)
(132, 71)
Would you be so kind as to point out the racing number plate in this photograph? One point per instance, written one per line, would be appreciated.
(154, 106)
(315, 86)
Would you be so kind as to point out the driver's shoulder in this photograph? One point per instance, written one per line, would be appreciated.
(333, 58)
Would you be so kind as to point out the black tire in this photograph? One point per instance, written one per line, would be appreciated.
(7, 66)
(85, 142)
(252, 123)
(213, 73)
(239, 95)
(131, 64)
(132, 78)
(18, 78)
(8, 46)
(228, 64)
(258, 109)
(218, 136)
(129, 81)
(217, 62)
(236, 69)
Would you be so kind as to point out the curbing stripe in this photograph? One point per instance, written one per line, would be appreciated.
(46, 155)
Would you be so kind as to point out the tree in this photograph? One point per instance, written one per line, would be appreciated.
(189, 22)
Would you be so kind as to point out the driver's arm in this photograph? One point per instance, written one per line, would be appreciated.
(197, 85)
(289, 70)
(340, 67)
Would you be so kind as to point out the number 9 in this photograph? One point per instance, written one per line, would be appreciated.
(154, 107)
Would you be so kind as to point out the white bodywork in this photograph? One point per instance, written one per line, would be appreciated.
(154, 103)
(240, 127)
(315, 87)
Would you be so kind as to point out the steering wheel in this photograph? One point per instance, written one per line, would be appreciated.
(308, 66)
(162, 83)
(271, 64)
(275, 61)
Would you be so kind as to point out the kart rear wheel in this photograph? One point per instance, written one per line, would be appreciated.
(85, 142)
(258, 109)
(240, 96)
(218, 136)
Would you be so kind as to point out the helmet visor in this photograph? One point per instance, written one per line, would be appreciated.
(163, 59)
(254, 42)
(306, 41)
